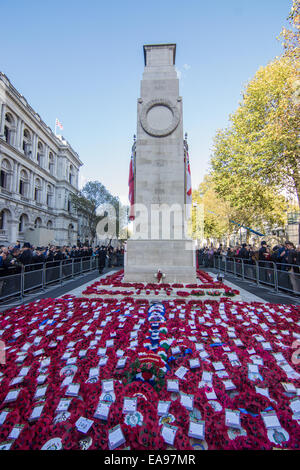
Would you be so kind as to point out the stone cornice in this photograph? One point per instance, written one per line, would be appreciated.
(22, 102)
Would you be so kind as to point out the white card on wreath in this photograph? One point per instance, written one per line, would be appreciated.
(163, 407)
(168, 432)
(102, 410)
(101, 352)
(12, 395)
(196, 429)
(232, 418)
(115, 437)
(107, 385)
(194, 363)
(102, 361)
(36, 412)
(40, 391)
(73, 390)
(181, 371)
(207, 376)
(187, 401)
(16, 431)
(229, 385)
(270, 419)
(218, 365)
(84, 424)
(63, 405)
(173, 385)
(129, 404)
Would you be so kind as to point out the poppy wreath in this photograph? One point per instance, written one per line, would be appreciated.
(69, 332)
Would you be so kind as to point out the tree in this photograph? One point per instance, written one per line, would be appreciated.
(216, 211)
(257, 157)
(291, 37)
(262, 143)
(220, 212)
(91, 198)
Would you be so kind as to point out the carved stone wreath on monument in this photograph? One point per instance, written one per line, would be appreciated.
(159, 117)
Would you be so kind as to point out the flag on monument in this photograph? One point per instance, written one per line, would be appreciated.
(131, 188)
(188, 180)
(188, 185)
(58, 124)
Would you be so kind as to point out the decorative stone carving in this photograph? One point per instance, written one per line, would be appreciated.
(160, 103)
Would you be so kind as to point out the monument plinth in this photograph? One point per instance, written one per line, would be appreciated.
(160, 195)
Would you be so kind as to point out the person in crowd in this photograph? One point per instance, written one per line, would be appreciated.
(26, 255)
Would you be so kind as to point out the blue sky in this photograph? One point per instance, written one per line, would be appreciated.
(83, 61)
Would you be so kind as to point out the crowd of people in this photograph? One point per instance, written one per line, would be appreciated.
(283, 255)
(14, 258)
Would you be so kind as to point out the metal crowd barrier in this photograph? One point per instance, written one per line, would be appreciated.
(40, 275)
(280, 276)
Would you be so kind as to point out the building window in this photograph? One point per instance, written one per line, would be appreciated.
(8, 127)
(3, 179)
(40, 153)
(27, 143)
(22, 222)
(23, 183)
(49, 196)
(71, 175)
(38, 222)
(51, 163)
(2, 220)
(6, 134)
(37, 191)
(5, 173)
(49, 225)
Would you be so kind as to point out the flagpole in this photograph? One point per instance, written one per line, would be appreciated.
(55, 127)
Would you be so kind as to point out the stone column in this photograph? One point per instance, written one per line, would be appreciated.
(45, 158)
(3, 112)
(30, 191)
(43, 191)
(15, 178)
(14, 231)
(18, 138)
(21, 136)
(34, 147)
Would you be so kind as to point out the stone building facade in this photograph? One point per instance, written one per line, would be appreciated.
(38, 172)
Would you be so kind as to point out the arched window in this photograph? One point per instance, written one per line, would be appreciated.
(49, 225)
(26, 143)
(71, 175)
(5, 174)
(22, 222)
(37, 190)
(49, 196)
(40, 153)
(23, 183)
(51, 163)
(69, 205)
(4, 214)
(37, 222)
(8, 128)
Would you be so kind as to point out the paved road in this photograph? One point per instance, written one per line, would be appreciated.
(58, 290)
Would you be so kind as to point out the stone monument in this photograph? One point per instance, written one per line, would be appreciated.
(159, 241)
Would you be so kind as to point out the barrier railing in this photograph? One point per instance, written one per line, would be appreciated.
(40, 275)
(280, 276)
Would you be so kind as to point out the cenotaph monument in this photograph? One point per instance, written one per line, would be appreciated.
(159, 240)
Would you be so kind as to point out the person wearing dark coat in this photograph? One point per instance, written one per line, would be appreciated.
(102, 259)
(26, 256)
